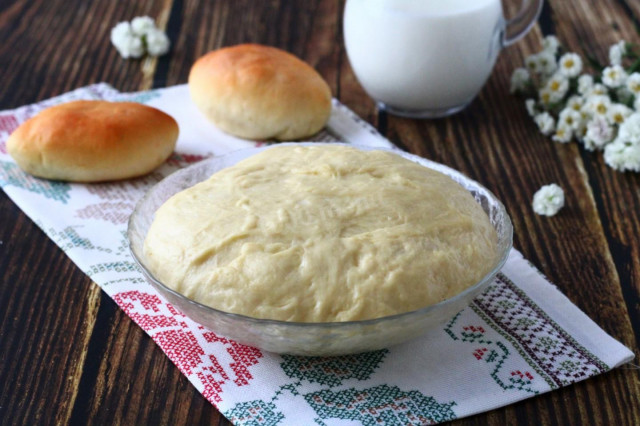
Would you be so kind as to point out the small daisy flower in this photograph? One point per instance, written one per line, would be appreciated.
(633, 83)
(598, 89)
(623, 156)
(548, 200)
(532, 64)
(531, 107)
(157, 42)
(558, 85)
(629, 130)
(570, 65)
(551, 44)
(614, 76)
(599, 133)
(549, 97)
(618, 113)
(547, 63)
(141, 25)
(636, 103)
(616, 52)
(545, 122)
(126, 42)
(563, 133)
(585, 84)
(575, 103)
(519, 80)
(598, 105)
(570, 118)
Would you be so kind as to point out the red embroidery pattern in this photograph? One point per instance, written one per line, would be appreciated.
(8, 123)
(186, 344)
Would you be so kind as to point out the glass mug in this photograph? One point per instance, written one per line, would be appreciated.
(428, 58)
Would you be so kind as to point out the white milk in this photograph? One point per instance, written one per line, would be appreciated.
(418, 55)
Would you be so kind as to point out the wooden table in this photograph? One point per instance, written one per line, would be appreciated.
(69, 355)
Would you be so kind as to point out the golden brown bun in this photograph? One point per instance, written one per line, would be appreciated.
(92, 141)
(260, 92)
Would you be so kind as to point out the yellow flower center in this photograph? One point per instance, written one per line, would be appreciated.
(545, 97)
(618, 118)
(601, 108)
(568, 63)
(555, 85)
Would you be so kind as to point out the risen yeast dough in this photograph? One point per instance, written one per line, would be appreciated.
(316, 234)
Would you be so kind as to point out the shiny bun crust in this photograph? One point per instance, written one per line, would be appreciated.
(260, 92)
(93, 141)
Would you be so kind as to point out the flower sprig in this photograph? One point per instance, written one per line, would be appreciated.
(601, 111)
(139, 37)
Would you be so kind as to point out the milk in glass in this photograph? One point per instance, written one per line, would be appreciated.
(423, 57)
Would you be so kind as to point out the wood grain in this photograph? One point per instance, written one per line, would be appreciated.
(68, 355)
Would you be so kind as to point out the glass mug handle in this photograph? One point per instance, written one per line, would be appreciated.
(519, 25)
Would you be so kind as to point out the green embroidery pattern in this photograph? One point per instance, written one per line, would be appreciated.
(380, 405)
(331, 371)
(121, 267)
(254, 413)
(10, 174)
(69, 238)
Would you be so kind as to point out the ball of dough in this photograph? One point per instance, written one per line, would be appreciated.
(321, 234)
(260, 92)
(92, 141)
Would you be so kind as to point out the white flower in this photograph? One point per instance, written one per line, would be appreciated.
(599, 133)
(623, 156)
(570, 118)
(558, 85)
(618, 113)
(551, 44)
(126, 42)
(157, 42)
(585, 83)
(636, 103)
(570, 64)
(616, 51)
(598, 89)
(545, 123)
(519, 79)
(575, 103)
(547, 64)
(633, 83)
(532, 64)
(597, 105)
(614, 76)
(546, 97)
(142, 25)
(548, 200)
(531, 106)
(563, 133)
(629, 130)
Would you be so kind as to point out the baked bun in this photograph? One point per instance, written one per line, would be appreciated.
(260, 92)
(92, 141)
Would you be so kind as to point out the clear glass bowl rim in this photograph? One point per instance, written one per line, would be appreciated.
(504, 248)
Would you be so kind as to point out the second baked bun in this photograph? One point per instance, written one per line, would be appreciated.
(260, 92)
(92, 141)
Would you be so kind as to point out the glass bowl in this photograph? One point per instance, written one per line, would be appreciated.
(313, 339)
